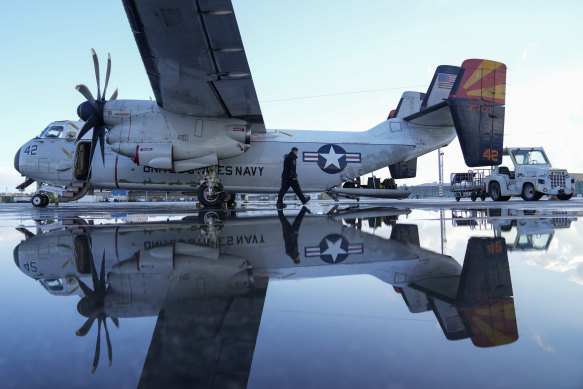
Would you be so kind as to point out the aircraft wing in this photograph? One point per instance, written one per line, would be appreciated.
(194, 57)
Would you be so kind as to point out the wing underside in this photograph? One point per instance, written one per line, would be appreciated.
(194, 57)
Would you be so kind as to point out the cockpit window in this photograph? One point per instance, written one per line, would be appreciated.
(530, 157)
(52, 132)
(52, 284)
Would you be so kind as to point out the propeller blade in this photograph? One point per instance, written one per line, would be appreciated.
(96, 65)
(97, 346)
(87, 126)
(82, 88)
(86, 326)
(102, 273)
(86, 290)
(109, 350)
(98, 136)
(93, 271)
(102, 144)
(115, 321)
(114, 95)
(107, 74)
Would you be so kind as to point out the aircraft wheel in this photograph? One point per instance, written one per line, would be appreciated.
(211, 217)
(495, 192)
(231, 199)
(483, 197)
(38, 200)
(528, 192)
(210, 197)
(564, 196)
(473, 196)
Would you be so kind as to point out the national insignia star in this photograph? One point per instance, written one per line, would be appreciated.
(334, 249)
(332, 158)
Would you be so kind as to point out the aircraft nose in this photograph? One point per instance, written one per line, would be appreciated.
(17, 160)
(16, 257)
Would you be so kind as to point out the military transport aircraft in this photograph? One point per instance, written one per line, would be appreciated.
(195, 276)
(205, 131)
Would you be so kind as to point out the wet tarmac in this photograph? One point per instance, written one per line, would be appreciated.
(391, 294)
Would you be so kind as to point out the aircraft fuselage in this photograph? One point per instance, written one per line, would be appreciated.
(325, 158)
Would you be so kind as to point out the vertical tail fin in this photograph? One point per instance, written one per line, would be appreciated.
(484, 299)
(443, 81)
(477, 102)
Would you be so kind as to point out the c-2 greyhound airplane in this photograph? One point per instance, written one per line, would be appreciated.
(205, 131)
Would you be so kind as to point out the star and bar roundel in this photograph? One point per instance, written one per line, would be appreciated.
(334, 248)
(331, 158)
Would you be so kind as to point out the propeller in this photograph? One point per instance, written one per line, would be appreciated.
(91, 111)
(92, 306)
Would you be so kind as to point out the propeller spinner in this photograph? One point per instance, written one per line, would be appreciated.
(91, 111)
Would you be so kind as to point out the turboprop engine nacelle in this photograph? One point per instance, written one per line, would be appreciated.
(165, 140)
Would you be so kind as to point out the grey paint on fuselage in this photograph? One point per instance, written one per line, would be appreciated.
(256, 171)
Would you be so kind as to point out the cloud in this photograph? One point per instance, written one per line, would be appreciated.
(578, 276)
(543, 346)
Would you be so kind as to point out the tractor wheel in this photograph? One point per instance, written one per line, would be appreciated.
(528, 192)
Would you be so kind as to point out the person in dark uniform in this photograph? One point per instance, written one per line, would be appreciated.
(289, 178)
(291, 233)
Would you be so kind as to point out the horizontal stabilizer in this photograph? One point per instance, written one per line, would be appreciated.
(437, 115)
(477, 108)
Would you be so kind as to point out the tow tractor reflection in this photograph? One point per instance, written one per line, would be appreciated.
(214, 275)
(523, 229)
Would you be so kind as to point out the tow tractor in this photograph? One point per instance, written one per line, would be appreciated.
(525, 172)
(532, 176)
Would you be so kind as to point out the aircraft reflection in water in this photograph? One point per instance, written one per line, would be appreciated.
(206, 282)
(523, 230)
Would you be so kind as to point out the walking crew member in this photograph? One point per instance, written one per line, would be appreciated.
(291, 233)
(289, 178)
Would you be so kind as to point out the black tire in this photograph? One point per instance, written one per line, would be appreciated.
(473, 196)
(529, 192)
(37, 200)
(211, 199)
(483, 196)
(564, 196)
(210, 217)
(46, 200)
(231, 198)
(457, 197)
(495, 192)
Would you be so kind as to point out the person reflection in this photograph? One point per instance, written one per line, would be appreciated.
(291, 233)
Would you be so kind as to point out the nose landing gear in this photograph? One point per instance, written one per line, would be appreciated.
(40, 200)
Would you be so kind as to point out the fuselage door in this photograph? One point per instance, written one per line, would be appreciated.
(82, 163)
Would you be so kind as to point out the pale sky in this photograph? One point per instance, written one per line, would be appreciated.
(300, 48)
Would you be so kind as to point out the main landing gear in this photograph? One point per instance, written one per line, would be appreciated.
(211, 192)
